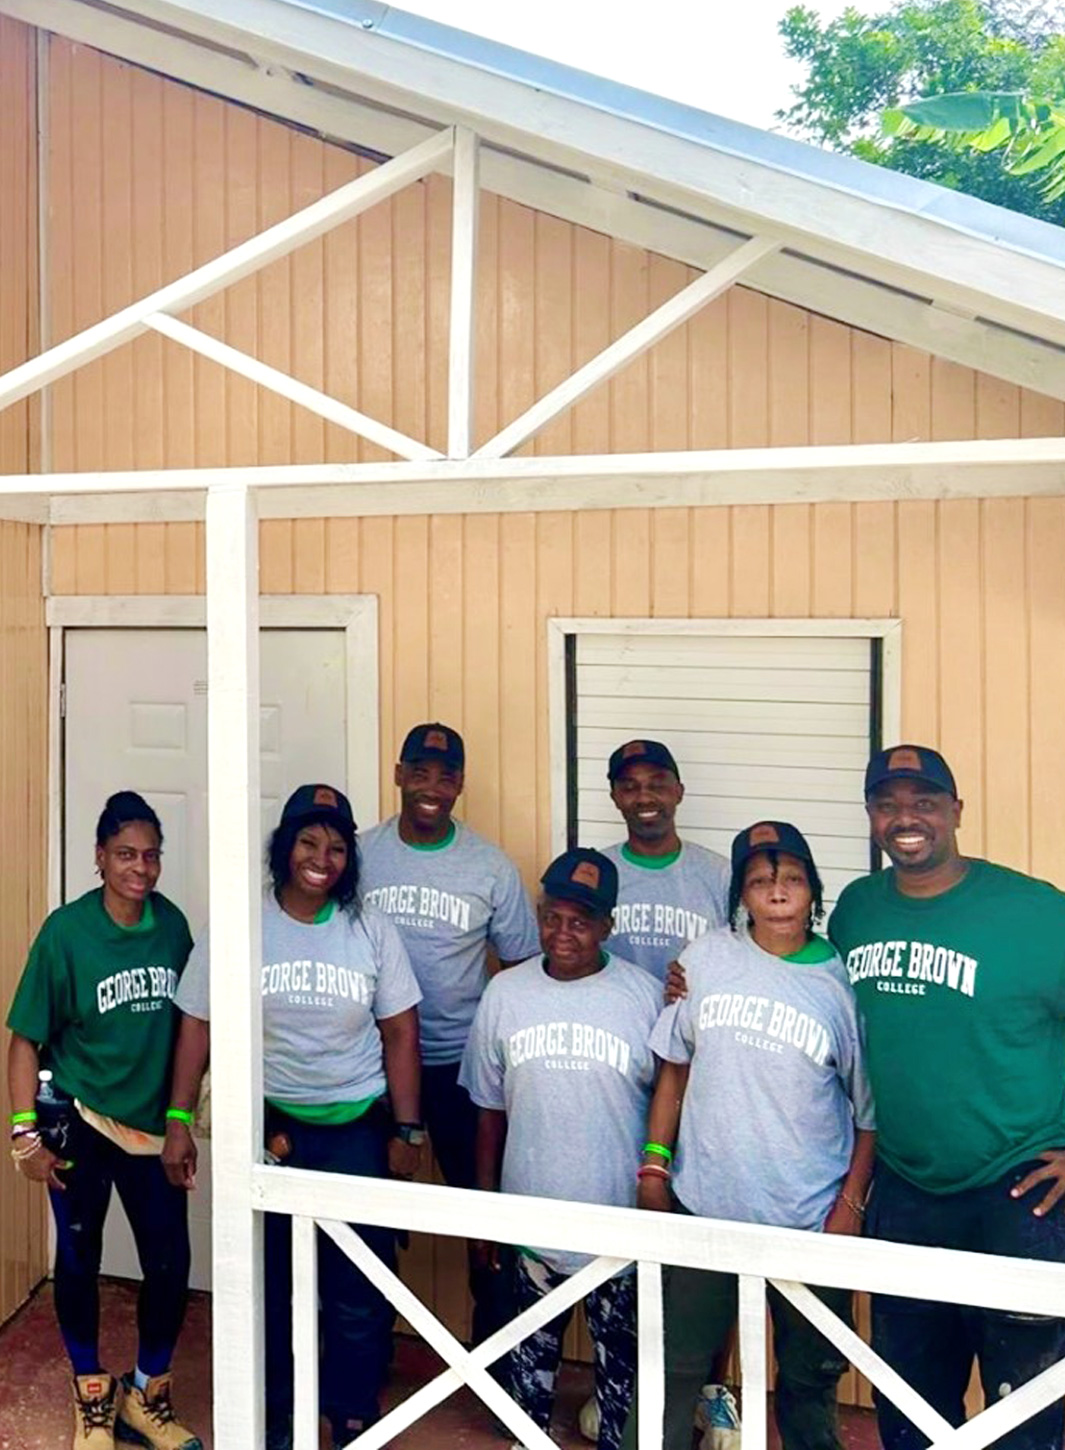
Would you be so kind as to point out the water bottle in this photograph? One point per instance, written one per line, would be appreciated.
(53, 1115)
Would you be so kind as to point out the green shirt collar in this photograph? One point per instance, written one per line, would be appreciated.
(650, 863)
(432, 845)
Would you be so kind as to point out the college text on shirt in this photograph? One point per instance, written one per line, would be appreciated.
(423, 906)
(657, 924)
(569, 1047)
(910, 967)
(142, 989)
(765, 1024)
(315, 984)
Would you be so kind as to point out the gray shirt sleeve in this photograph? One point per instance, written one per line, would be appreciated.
(512, 930)
(397, 987)
(671, 1038)
(852, 1067)
(193, 995)
(483, 1069)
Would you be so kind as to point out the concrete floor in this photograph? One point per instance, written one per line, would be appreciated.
(35, 1384)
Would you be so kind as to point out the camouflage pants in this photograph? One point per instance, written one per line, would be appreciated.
(533, 1365)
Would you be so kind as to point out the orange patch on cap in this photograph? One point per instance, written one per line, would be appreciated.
(763, 835)
(905, 758)
(323, 796)
(435, 740)
(634, 747)
(586, 873)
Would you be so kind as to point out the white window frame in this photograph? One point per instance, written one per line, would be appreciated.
(355, 614)
(888, 631)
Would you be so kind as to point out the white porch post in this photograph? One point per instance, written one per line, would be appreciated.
(650, 1331)
(753, 1360)
(235, 924)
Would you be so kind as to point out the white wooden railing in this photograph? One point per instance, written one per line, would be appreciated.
(788, 1259)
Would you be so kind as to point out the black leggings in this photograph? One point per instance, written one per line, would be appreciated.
(158, 1216)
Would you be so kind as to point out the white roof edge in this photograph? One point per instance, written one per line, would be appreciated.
(736, 138)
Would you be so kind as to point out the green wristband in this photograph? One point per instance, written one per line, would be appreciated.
(179, 1115)
(23, 1118)
(660, 1150)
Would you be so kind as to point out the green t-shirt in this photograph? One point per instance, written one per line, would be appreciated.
(97, 999)
(963, 998)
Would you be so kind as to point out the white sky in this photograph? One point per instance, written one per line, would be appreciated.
(721, 55)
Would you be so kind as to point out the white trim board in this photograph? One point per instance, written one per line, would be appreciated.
(355, 614)
(888, 631)
(857, 472)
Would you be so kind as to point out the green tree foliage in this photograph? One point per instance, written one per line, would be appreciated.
(859, 66)
(1030, 134)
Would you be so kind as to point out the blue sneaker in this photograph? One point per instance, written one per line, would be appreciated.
(718, 1417)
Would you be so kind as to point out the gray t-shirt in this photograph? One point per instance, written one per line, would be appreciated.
(777, 1084)
(660, 911)
(324, 986)
(570, 1064)
(448, 904)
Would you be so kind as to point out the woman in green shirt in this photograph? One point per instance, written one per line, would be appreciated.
(95, 1006)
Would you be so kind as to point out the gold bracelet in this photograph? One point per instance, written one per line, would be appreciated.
(856, 1208)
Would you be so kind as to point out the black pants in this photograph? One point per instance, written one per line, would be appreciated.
(355, 1319)
(158, 1216)
(933, 1345)
(451, 1119)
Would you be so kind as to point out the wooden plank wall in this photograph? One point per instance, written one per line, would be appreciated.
(23, 649)
(464, 601)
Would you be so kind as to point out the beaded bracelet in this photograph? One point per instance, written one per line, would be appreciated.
(179, 1115)
(659, 1150)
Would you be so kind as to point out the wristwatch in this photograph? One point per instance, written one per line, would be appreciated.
(412, 1133)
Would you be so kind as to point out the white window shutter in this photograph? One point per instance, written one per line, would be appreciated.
(762, 727)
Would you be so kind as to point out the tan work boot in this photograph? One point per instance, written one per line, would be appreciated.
(147, 1417)
(96, 1401)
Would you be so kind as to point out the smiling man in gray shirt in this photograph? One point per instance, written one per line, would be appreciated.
(452, 895)
(669, 891)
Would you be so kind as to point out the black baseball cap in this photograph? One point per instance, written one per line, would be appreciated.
(320, 803)
(769, 836)
(434, 742)
(909, 762)
(640, 752)
(585, 876)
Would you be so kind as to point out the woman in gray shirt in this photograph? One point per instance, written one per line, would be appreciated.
(761, 1114)
(341, 1079)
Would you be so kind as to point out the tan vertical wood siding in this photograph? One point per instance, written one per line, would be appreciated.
(23, 893)
(978, 585)
(23, 654)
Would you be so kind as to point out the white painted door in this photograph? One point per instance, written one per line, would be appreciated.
(136, 719)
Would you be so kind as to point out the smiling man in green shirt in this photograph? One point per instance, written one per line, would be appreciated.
(958, 967)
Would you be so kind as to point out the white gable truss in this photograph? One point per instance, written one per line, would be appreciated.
(961, 280)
